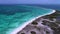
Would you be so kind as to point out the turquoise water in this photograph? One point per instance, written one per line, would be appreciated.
(14, 16)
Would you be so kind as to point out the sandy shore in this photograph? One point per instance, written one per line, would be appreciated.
(26, 23)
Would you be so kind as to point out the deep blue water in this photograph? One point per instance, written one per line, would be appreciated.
(48, 6)
(55, 7)
(13, 16)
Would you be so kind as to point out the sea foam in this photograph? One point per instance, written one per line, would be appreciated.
(15, 18)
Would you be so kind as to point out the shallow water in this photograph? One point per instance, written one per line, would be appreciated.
(13, 16)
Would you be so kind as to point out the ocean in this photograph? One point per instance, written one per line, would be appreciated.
(15, 17)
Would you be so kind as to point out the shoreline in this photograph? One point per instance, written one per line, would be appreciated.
(26, 23)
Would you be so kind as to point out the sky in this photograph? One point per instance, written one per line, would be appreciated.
(29, 1)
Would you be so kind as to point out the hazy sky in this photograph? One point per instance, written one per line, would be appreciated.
(29, 1)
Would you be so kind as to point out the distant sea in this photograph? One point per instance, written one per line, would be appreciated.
(15, 16)
(48, 6)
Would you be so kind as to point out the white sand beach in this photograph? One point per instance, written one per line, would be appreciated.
(25, 24)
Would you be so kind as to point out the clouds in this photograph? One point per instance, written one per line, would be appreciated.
(29, 1)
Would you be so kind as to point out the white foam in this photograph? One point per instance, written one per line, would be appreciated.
(26, 23)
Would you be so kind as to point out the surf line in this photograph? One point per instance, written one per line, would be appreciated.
(16, 30)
